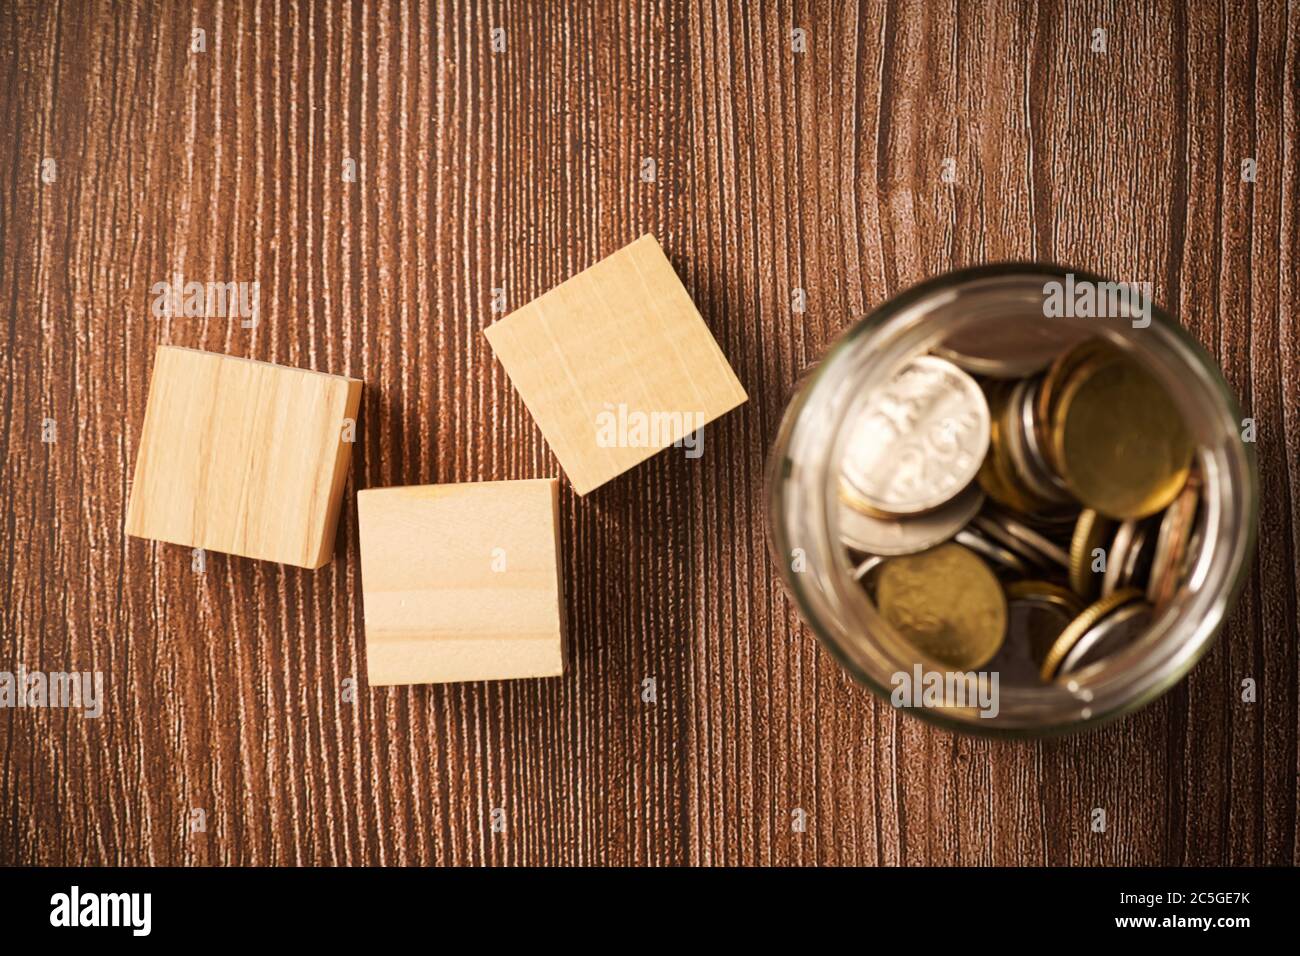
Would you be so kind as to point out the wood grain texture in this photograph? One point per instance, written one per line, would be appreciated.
(242, 457)
(461, 582)
(821, 171)
(616, 364)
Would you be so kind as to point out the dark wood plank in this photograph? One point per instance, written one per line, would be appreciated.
(775, 171)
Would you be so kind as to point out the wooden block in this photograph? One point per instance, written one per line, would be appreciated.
(242, 457)
(461, 582)
(615, 364)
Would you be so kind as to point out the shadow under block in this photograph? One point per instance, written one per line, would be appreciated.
(242, 457)
(615, 364)
(461, 582)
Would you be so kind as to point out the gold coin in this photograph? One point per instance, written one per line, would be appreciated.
(1050, 388)
(1119, 440)
(1081, 625)
(946, 603)
(1091, 531)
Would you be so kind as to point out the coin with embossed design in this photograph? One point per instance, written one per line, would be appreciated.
(946, 603)
(920, 440)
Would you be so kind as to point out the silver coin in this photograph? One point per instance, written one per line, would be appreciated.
(981, 545)
(1190, 556)
(1029, 541)
(988, 528)
(895, 536)
(1137, 562)
(1017, 446)
(867, 566)
(1176, 539)
(1045, 482)
(920, 441)
(1033, 624)
(1112, 633)
(1011, 346)
(1117, 555)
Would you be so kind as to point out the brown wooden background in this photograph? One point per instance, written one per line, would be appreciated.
(776, 170)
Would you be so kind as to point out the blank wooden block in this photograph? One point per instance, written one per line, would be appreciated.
(461, 582)
(618, 350)
(242, 457)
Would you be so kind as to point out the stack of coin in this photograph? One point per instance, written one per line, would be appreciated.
(1028, 508)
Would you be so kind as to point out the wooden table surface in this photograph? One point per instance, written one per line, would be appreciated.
(825, 170)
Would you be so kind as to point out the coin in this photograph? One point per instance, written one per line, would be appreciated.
(894, 536)
(1024, 539)
(1190, 556)
(1056, 525)
(1137, 562)
(1111, 634)
(1049, 389)
(1043, 610)
(1172, 543)
(992, 530)
(994, 479)
(1118, 439)
(920, 441)
(1014, 663)
(1117, 555)
(1017, 425)
(998, 475)
(1040, 471)
(1091, 532)
(1047, 592)
(1080, 626)
(946, 603)
(866, 567)
(971, 537)
(1010, 346)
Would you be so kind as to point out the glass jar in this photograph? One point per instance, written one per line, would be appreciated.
(803, 511)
